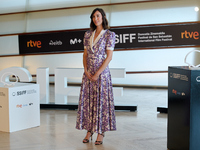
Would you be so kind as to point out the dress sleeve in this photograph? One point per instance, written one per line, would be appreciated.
(110, 45)
(86, 38)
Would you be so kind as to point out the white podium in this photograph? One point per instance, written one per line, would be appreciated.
(19, 107)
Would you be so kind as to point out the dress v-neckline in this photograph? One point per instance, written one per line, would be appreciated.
(94, 35)
(92, 42)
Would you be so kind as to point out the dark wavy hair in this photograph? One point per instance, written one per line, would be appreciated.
(104, 23)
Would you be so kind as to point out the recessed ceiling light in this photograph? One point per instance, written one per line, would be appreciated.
(196, 8)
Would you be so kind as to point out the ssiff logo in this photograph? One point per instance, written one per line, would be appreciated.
(21, 92)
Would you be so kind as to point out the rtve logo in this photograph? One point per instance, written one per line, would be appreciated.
(186, 34)
(34, 44)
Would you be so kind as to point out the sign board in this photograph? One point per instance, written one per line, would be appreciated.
(155, 36)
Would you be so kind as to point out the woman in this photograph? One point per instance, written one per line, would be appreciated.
(96, 103)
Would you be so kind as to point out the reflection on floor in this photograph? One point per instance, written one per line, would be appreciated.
(145, 129)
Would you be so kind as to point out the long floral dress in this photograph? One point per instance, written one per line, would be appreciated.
(96, 111)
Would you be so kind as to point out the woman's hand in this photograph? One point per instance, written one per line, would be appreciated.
(94, 77)
(88, 74)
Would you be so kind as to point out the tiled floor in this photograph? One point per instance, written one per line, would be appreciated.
(145, 129)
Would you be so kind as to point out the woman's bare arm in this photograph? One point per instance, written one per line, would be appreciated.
(103, 66)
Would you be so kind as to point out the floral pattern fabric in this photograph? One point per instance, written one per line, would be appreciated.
(96, 103)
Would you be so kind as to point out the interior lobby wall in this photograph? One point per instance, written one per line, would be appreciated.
(118, 15)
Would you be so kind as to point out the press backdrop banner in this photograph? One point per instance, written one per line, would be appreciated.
(177, 35)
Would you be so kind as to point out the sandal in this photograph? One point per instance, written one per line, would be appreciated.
(87, 140)
(99, 142)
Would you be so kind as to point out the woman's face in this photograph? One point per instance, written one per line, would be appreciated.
(97, 18)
